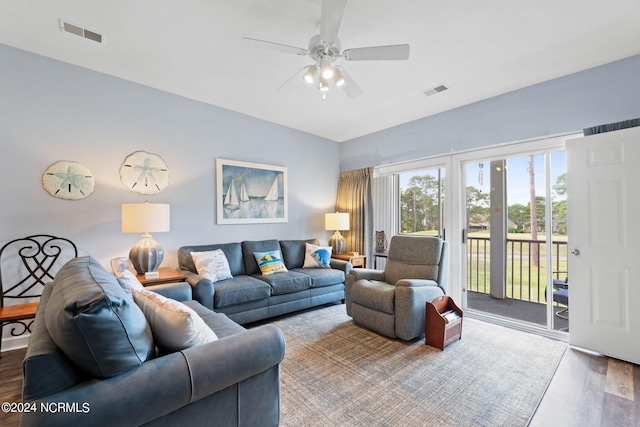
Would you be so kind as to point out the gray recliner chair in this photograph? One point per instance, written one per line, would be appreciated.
(392, 302)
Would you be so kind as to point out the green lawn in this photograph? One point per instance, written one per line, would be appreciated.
(524, 280)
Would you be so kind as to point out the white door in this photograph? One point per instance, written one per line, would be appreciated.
(603, 176)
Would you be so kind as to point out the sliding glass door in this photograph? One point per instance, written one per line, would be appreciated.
(516, 242)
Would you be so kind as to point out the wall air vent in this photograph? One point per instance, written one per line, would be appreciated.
(434, 90)
(79, 31)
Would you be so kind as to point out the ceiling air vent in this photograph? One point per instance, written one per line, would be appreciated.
(435, 90)
(79, 31)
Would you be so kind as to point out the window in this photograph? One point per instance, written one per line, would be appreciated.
(421, 202)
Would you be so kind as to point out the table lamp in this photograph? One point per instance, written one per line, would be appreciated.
(337, 221)
(146, 218)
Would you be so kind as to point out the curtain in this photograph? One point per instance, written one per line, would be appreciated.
(354, 197)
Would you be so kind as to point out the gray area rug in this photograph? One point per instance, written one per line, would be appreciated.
(336, 373)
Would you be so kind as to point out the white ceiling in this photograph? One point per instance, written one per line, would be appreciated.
(193, 48)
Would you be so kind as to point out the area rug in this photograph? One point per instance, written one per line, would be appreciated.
(336, 373)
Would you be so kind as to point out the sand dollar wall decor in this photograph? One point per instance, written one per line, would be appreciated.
(68, 180)
(144, 173)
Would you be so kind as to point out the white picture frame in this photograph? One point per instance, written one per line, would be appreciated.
(250, 193)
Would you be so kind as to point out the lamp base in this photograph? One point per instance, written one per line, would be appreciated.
(338, 243)
(146, 255)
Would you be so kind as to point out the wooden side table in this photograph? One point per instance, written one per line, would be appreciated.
(167, 275)
(357, 261)
(377, 255)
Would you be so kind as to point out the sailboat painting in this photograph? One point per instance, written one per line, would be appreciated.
(250, 192)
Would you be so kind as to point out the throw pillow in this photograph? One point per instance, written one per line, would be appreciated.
(93, 321)
(174, 325)
(317, 256)
(270, 262)
(129, 282)
(212, 265)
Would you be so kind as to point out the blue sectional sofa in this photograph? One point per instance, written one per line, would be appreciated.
(232, 381)
(250, 296)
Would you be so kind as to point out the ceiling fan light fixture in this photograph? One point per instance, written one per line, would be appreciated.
(324, 85)
(338, 78)
(311, 74)
(327, 70)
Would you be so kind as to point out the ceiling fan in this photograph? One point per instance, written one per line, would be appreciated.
(324, 50)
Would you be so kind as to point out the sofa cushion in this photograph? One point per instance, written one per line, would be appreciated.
(218, 322)
(212, 265)
(321, 277)
(174, 325)
(293, 251)
(373, 294)
(270, 262)
(239, 290)
(232, 251)
(94, 322)
(250, 247)
(317, 256)
(286, 283)
(413, 258)
(46, 370)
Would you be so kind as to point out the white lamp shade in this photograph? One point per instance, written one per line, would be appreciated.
(145, 217)
(336, 221)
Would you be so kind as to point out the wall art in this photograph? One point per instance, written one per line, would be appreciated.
(249, 193)
(144, 173)
(68, 180)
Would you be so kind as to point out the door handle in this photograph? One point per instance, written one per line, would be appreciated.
(575, 252)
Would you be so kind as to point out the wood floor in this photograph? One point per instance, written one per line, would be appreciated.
(587, 390)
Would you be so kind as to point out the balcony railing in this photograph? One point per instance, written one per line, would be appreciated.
(526, 267)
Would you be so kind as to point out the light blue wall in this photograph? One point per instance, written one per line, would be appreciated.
(605, 94)
(52, 111)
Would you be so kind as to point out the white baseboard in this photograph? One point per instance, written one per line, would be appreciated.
(14, 343)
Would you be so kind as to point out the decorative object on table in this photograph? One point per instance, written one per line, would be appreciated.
(120, 265)
(144, 173)
(249, 193)
(337, 221)
(147, 254)
(68, 180)
(381, 241)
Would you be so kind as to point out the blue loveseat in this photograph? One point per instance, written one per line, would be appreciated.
(233, 381)
(250, 296)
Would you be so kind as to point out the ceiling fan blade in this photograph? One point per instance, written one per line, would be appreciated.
(262, 44)
(293, 81)
(350, 87)
(391, 52)
(331, 18)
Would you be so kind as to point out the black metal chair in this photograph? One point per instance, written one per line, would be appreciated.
(26, 265)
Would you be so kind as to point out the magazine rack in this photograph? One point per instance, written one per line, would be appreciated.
(443, 322)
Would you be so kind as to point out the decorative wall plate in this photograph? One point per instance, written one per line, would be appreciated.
(144, 173)
(68, 180)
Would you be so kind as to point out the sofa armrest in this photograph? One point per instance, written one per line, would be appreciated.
(179, 291)
(340, 264)
(165, 384)
(202, 289)
(243, 355)
(354, 275)
(366, 273)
